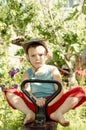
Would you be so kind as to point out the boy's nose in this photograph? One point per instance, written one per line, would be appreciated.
(37, 56)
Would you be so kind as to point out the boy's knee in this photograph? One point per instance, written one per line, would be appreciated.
(73, 101)
(9, 95)
(12, 97)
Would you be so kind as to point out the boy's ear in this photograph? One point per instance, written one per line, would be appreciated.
(49, 55)
(27, 57)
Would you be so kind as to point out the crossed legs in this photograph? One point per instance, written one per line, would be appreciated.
(69, 103)
(19, 104)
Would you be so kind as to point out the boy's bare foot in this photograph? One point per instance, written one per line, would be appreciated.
(65, 123)
(60, 119)
(30, 117)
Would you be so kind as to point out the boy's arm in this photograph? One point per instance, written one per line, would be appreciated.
(25, 76)
(56, 76)
(27, 85)
(39, 101)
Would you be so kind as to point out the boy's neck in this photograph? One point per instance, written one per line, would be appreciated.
(39, 70)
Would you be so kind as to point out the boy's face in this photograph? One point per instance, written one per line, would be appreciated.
(37, 56)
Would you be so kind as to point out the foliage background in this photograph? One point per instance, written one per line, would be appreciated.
(65, 30)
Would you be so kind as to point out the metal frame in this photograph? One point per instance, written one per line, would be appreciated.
(41, 122)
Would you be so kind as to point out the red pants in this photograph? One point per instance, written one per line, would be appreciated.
(75, 92)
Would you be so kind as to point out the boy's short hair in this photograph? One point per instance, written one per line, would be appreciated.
(34, 43)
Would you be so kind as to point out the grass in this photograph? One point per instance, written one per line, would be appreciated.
(72, 127)
(76, 118)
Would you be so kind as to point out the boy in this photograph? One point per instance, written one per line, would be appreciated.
(37, 53)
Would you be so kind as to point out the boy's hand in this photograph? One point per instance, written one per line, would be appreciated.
(40, 102)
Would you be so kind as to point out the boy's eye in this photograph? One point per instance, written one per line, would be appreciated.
(41, 54)
(32, 55)
(38, 55)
